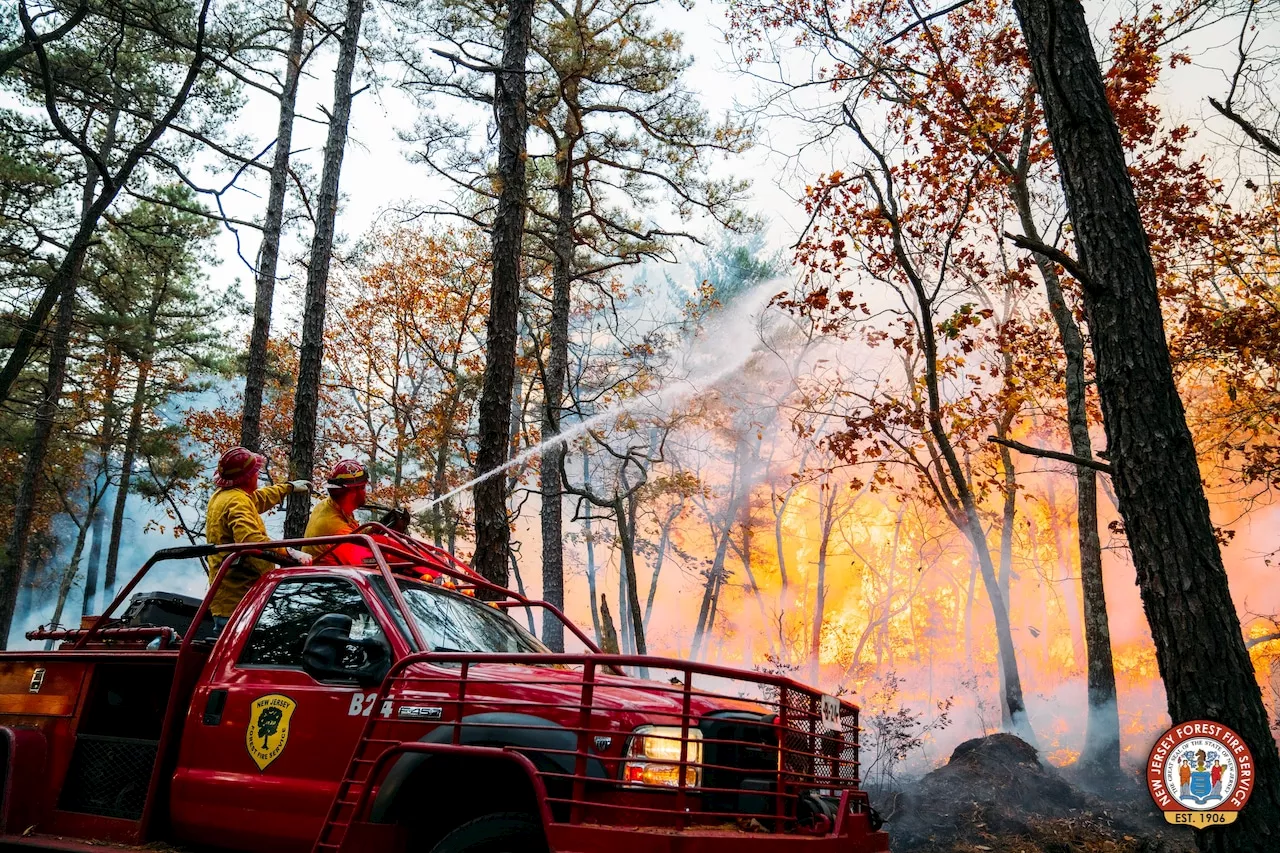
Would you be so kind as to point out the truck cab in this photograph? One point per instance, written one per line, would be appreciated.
(398, 705)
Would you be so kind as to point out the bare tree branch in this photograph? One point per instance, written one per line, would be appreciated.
(1250, 129)
(1104, 467)
(1058, 256)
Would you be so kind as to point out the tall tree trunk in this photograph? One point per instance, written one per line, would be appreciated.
(557, 368)
(492, 532)
(1009, 514)
(133, 436)
(67, 279)
(968, 612)
(1010, 507)
(706, 612)
(88, 602)
(628, 562)
(13, 560)
(439, 486)
(132, 439)
(826, 517)
(515, 572)
(664, 540)
(73, 566)
(272, 226)
(306, 401)
(963, 510)
(624, 607)
(956, 492)
(590, 562)
(1154, 468)
(1102, 739)
(784, 582)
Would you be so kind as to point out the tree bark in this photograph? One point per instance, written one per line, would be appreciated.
(609, 638)
(557, 368)
(625, 534)
(302, 446)
(509, 90)
(88, 602)
(1155, 474)
(272, 225)
(589, 537)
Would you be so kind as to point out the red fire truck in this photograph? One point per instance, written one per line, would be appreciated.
(398, 705)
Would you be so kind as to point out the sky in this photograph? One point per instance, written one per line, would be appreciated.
(379, 183)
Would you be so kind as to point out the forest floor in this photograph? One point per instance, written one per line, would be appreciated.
(994, 794)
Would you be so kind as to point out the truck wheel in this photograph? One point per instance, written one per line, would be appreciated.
(500, 832)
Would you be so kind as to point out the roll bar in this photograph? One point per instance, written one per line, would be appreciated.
(388, 548)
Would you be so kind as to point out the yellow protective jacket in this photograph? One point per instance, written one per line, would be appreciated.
(234, 515)
(327, 519)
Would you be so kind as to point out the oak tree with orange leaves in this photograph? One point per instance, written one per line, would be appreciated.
(404, 359)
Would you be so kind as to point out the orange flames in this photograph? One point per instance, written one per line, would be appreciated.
(896, 599)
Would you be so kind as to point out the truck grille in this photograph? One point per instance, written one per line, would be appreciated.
(740, 763)
(828, 758)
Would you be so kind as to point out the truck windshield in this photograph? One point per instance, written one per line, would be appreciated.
(456, 623)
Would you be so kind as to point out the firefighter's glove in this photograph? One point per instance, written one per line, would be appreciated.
(300, 557)
(301, 487)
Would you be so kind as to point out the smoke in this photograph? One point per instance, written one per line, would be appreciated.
(141, 538)
(146, 529)
(699, 364)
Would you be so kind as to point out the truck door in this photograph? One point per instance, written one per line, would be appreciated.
(265, 744)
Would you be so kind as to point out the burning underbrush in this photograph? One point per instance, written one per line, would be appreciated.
(994, 794)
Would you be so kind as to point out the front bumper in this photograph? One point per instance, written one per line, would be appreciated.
(853, 836)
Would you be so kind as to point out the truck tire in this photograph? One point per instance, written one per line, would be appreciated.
(499, 832)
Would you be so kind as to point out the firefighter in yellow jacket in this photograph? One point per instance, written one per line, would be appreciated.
(335, 515)
(234, 515)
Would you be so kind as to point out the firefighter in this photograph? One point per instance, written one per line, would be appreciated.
(335, 515)
(234, 515)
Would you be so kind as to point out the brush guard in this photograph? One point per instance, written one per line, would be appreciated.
(770, 767)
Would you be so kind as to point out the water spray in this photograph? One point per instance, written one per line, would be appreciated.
(747, 307)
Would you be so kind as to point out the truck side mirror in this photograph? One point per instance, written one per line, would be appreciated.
(327, 645)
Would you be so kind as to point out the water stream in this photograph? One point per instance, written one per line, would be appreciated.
(724, 349)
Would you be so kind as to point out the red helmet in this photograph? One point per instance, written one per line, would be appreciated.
(348, 473)
(235, 465)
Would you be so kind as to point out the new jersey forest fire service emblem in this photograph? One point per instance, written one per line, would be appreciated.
(1200, 773)
(268, 730)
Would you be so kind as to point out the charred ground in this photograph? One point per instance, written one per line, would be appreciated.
(994, 794)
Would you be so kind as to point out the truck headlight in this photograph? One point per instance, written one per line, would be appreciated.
(653, 757)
